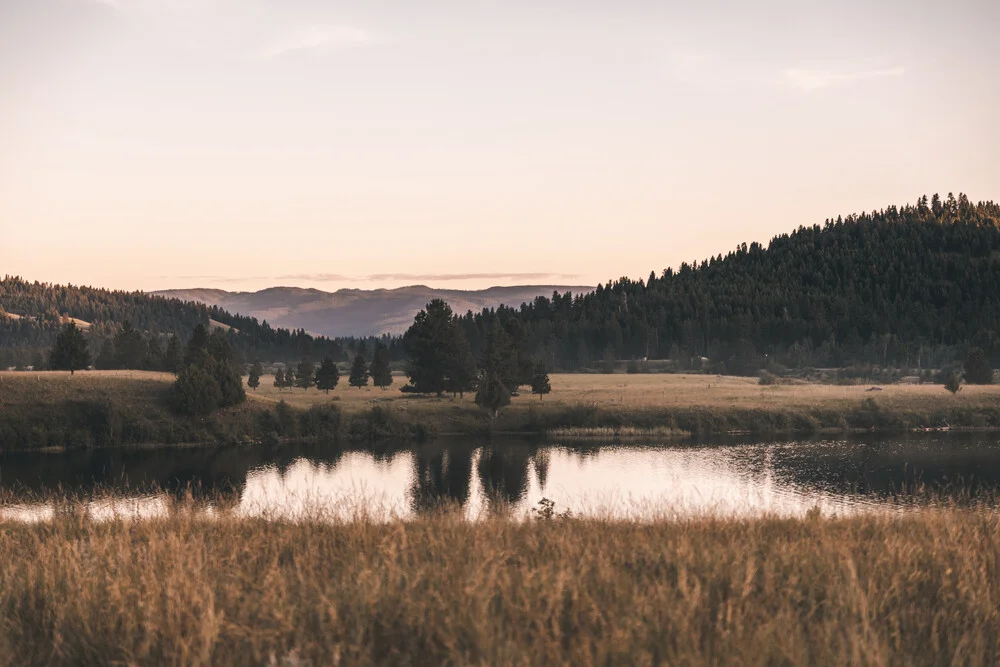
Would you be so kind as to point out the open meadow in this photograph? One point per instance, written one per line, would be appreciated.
(642, 391)
(53, 408)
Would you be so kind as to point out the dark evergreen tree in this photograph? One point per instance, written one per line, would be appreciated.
(154, 355)
(380, 370)
(70, 352)
(197, 347)
(435, 345)
(954, 383)
(209, 378)
(289, 377)
(328, 375)
(359, 372)
(130, 349)
(461, 366)
(196, 390)
(492, 393)
(253, 380)
(106, 357)
(540, 381)
(304, 377)
(978, 369)
(279, 379)
(173, 360)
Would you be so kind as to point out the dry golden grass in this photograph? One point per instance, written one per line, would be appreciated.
(665, 391)
(866, 590)
(24, 387)
(629, 391)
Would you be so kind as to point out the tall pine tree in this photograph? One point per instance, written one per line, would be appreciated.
(380, 371)
(328, 375)
(70, 352)
(359, 372)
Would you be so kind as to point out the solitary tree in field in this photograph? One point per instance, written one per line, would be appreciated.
(70, 351)
(327, 376)
(380, 371)
(279, 379)
(540, 381)
(954, 383)
(289, 378)
(304, 377)
(255, 372)
(359, 372)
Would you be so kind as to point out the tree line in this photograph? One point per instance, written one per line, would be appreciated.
(910, 287)
(915, 287)
(33, 313)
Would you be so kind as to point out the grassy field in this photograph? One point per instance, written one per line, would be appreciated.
(868, 590)
(121, 407)
(663, 391)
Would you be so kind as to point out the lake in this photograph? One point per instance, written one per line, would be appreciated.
(735, 476)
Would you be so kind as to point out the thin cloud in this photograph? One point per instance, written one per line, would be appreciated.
(379, 277)
(315, 277)
(817, 79)
(317, 38)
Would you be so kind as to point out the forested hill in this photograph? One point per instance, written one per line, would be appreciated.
(31, 314)
(912, 286)
(915, 287)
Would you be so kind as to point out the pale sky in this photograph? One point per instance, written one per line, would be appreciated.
(149, 144)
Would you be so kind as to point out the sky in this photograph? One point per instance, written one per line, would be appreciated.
(240, 144)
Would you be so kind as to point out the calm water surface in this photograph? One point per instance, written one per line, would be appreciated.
(786, 478)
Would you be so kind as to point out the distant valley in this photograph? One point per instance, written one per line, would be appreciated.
(354, 312)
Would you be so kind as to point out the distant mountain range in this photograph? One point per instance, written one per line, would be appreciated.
(354, 312)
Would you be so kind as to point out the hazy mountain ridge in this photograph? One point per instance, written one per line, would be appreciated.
(357, 312)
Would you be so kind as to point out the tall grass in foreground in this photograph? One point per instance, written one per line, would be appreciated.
(921, 588)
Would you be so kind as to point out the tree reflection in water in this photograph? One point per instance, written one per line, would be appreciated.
(441, 476)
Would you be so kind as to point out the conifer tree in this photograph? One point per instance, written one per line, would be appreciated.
(289, 377)
(253, 381)
(978, 369)
(540, 381)
(210, 378)
(279, 379)
(106, 357)
(380, 371)
(328, 375)
(304, 377)
(130, 349)
(359, 372)
(70, 352)
(172, 358)
(492, 393)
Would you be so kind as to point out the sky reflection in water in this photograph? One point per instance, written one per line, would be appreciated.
(789, 478)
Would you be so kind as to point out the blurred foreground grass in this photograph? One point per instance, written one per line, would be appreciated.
(914, 588)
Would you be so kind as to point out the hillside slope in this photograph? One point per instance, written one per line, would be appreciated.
(354, 312)
(916, 287)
